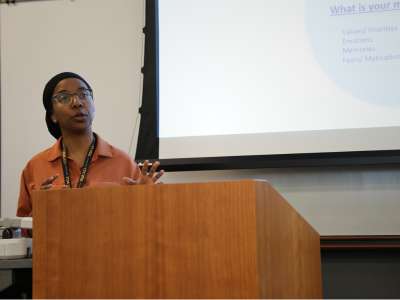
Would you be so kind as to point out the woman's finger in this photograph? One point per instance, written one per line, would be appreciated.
(153, 168)
(145, 167)
(49, 180)
(158, 175)
(46, 186)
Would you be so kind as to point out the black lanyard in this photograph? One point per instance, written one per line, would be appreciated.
(85, 168)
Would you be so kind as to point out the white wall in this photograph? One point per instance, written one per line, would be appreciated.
(100, 39)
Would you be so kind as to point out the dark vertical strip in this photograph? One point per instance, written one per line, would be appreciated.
(147, 145)
(1, 112)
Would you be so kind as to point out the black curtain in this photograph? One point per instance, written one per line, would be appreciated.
(147, 145)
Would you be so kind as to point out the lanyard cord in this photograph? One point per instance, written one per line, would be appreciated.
(85, 168)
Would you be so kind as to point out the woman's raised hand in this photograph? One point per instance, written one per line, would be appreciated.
(148, 174)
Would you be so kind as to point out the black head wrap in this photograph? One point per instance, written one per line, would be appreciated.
(54, 128)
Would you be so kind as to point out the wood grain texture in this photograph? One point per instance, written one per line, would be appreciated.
(289, 249)
(197, 240)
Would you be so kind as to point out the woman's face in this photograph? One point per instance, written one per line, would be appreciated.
(73, 107)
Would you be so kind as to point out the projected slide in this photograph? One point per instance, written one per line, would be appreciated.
(282, 76)
(358, 45)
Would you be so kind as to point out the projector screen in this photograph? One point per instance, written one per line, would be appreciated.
(261, 77)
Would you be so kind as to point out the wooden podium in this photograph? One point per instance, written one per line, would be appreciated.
(236, 239)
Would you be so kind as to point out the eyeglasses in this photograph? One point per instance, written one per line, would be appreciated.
(66, 98)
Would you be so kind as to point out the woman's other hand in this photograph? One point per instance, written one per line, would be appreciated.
(148, 174)
(48, 183)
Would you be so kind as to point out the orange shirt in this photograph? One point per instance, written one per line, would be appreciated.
(108, 165)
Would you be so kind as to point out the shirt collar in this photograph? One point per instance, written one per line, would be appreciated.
(103, 149)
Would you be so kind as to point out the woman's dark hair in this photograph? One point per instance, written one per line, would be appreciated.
(54, 128)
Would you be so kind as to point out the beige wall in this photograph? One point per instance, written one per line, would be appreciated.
(100, 39)
(335, 201)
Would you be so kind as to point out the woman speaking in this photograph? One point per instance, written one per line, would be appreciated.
(79, 157)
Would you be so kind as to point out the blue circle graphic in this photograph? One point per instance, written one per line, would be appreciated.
(358, 45)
